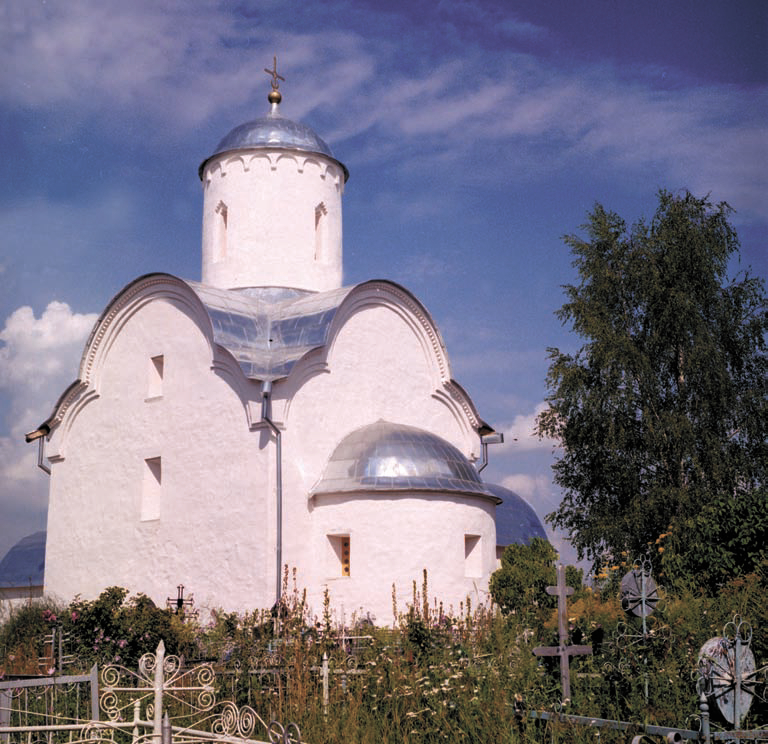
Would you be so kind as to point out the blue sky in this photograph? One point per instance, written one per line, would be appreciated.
(476, 133)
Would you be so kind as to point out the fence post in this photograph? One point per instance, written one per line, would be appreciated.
(704, 708)
(167, 731)
(136, 719)
(5, 713)
(94, 693)
(157, 727)
(325, 683)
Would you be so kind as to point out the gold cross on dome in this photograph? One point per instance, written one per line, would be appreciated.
(273, 73)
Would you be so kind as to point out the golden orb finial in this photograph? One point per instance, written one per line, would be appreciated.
(274, 95)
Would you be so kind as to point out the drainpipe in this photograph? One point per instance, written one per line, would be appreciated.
(266, 392)
(40, 434)
(493, 437)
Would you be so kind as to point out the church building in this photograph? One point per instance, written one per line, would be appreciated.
(267, 418)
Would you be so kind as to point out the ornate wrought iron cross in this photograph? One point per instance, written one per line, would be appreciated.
(563, 650)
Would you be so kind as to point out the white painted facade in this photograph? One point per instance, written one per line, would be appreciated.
(272, 218)
(165, 473)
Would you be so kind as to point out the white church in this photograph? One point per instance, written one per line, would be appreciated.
(269, 417)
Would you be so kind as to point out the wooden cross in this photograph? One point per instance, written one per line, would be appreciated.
(273, 73)
(563, 651)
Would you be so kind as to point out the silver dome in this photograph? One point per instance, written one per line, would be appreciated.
(394, 457)
(274, 131)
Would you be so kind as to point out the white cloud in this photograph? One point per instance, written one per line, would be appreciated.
(535, 489)
(181, 64)
(38, 350)
(520, 436)
(38, 359)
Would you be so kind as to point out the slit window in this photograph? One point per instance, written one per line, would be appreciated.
(220, 235)
(321, 211)
(151, 489)
(155, 382)
(340, 563)
(473, 558)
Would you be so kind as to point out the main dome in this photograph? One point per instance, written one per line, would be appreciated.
(394, 457)
(275, 132)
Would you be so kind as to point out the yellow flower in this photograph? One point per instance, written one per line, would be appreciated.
(661, 550)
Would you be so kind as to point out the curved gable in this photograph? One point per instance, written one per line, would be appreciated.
(384, 293)
(124, 305)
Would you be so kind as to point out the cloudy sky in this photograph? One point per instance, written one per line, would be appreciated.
(477, 133)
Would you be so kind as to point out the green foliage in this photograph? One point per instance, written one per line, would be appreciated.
(519, 586)
(436, 678)
(22, 635)
(663, 411)
(116, 629)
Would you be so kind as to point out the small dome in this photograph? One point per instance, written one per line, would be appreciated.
(394, 457)
(24, 563)
(274, 131)
(516, 521)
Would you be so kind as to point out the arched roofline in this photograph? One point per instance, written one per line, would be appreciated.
(122, 306)
(383, 292)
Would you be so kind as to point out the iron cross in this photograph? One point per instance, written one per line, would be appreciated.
(563, 651)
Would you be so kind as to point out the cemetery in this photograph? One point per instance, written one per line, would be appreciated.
(620, 660)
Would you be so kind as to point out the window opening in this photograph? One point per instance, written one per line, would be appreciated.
(220, 237)
(473, 559)
(321, 212)
(151, 489)
(340, 555)
(155, 382)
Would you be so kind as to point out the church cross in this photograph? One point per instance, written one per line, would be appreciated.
(563, 651)
(273, 73)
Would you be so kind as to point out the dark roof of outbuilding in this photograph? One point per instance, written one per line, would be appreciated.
(24, 563)
(516, 521)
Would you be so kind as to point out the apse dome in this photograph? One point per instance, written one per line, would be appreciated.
(395, 457)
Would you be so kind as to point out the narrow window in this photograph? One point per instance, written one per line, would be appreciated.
(220, 234)
(155, 382)
(473, 559)
(339, 555)
(151, 489)
(320, 227)
(345, 556)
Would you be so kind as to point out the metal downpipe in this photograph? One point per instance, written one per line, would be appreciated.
(266, 392)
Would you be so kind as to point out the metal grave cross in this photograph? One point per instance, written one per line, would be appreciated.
(563, 651)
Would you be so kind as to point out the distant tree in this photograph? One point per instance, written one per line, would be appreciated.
(520, 585)
(662, 413)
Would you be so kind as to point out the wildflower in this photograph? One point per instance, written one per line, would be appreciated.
(661, 550)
